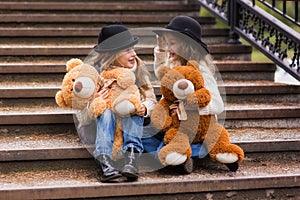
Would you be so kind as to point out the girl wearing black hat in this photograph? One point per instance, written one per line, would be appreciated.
(115, 49)
(181, 41)
(177, 43)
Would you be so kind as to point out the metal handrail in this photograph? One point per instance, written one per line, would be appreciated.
(283, 13)
(268, 34)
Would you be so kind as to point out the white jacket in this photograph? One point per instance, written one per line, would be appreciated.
(150, 100)
(216, 105)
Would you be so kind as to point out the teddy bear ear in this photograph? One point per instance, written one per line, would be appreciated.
(162, 71)
(73, 62)
(193, 64)
(60, 99)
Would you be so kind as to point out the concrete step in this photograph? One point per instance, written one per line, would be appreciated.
(230, 70)
(100, 6)
(255, 115)
(94, 19)
(33, 31)
(18, 143)
(15, 53)
(41, 156)
(260, 92)
(246, 70)
(24, 93)
(88, 35)
(278, 115)
(253, 91)
(259, 176)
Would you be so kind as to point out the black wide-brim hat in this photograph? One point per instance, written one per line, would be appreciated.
(184, 25)
(114, 37)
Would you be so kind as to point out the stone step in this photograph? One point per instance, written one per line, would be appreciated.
(24, 93)
(246, 70)
(230, 70)
(34, 32)
(254, 91)
(88, 35)
(263, 176)
(93, 19)
(41, 156)
(100, 6)
(16, 53)
(278, 115)
(81, 50)
(260, 92)
(17, 143)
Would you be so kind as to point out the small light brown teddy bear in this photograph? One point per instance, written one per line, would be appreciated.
(182, 88)
(124, 98)
(79, 86)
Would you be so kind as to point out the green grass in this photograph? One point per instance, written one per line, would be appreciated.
(259, 56)
(256, 54)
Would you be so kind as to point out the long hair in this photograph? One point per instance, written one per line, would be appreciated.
(142, 77)
(191, 50)
(106, 60)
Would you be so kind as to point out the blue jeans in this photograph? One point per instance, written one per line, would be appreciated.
(132, 128)
(153, 141)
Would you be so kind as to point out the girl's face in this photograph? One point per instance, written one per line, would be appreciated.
(126, 58)
(173, 45)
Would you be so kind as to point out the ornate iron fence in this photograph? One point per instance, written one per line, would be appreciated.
(268, 34)
(274, 5)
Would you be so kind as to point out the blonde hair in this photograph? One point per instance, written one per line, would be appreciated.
(107, 60)
(191, 50)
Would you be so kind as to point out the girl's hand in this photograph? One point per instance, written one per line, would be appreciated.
(141, 111)
(103, 93)
(161, 43)
(173, 110)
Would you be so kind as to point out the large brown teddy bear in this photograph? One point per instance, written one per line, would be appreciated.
(182, 88)
(77, 92)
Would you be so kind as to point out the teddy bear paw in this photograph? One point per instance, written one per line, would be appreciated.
(175, 158)
(226, 157)
(124, 108)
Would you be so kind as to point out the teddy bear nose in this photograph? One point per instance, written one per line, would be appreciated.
(182, 85)
(78, 86)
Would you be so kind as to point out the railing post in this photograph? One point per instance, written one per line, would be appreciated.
(234, 38)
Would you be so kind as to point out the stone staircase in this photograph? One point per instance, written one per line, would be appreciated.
(41, 156)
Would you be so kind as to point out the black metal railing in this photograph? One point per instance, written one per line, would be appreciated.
(280, 7)
(278, 41)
